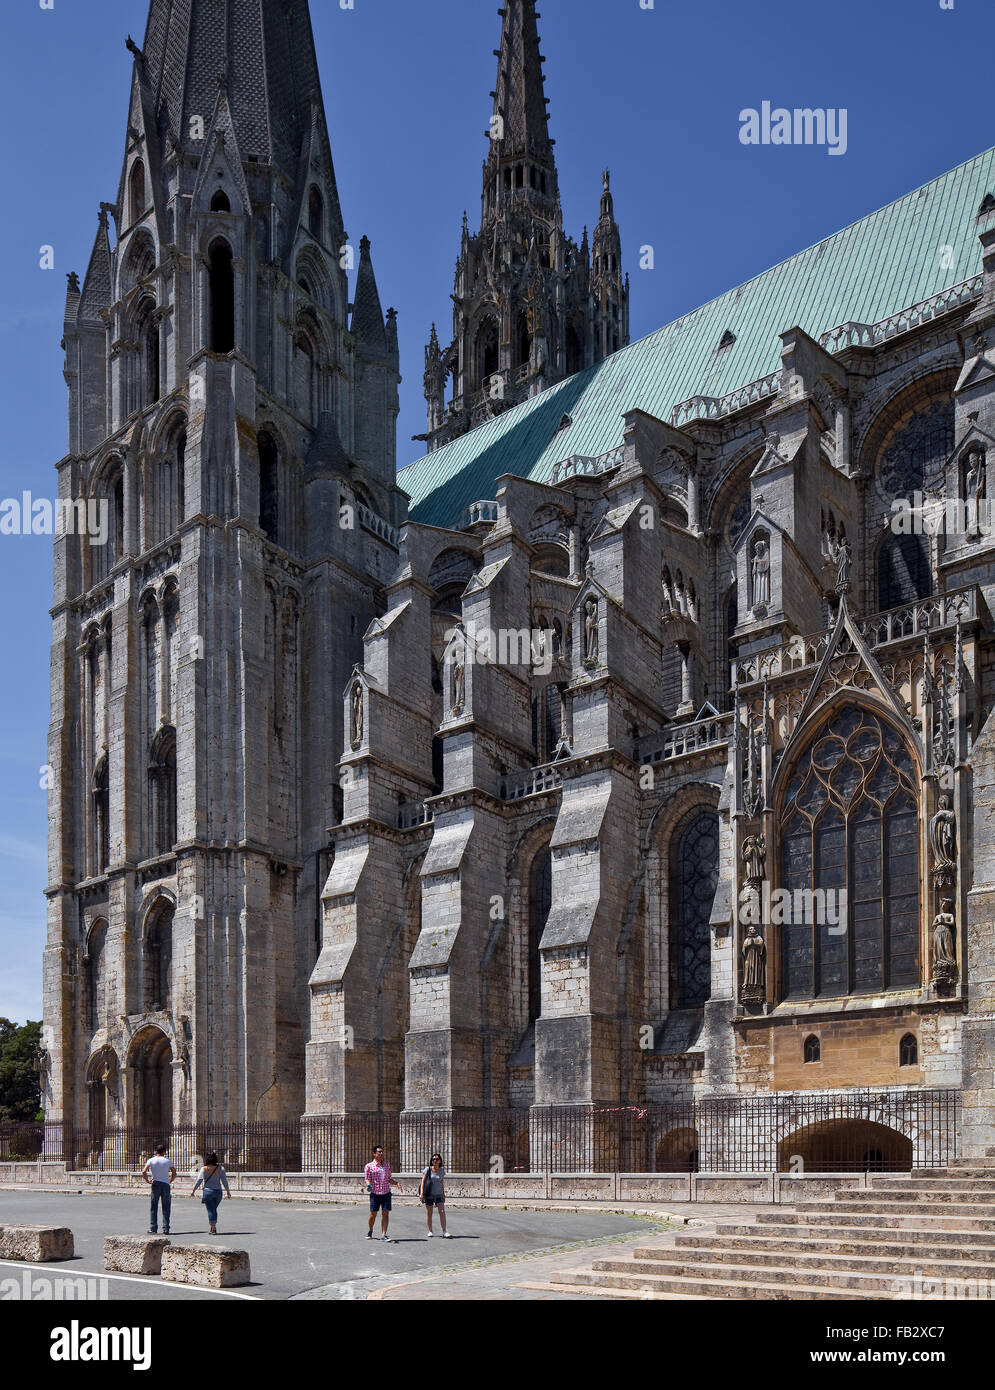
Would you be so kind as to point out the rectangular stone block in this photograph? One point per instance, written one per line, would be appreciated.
(36, 1243)
(134, 1254)
(212, 1266)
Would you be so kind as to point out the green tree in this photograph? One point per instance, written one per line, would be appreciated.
(20, 1097)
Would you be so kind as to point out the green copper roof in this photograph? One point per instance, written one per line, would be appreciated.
(888, 261)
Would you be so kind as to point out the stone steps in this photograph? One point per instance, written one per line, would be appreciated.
(922, 1235)
(843, 1279)
(980, 1257)
(814, 1263)
(922, 1220)
(985, 1187)
(907, 1207)
(701, 1286)
(959, 1194)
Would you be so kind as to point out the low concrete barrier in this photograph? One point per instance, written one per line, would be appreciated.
(509, 1187)
(212, 1266)
(134, 1254)
(36, 1244)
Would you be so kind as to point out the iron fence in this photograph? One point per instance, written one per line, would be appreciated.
(847, 1131)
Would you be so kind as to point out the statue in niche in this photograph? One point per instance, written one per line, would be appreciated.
(843, 555)
(458, 679)
(356, 716)
(754, 965)
(755, 857)
(591, 632)
(944, 947)
(974, 489)
(943, 834)
(760, 570)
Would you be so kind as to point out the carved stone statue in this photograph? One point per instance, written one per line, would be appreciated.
(591, 632)
(755, 858)
(843, 555)
(356, 716)
(754, 965)
(975, 475)
(944, 946)
(458, 679)
(943, 834)
(761, 574)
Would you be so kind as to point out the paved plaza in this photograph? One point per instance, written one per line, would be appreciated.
(319, 1251)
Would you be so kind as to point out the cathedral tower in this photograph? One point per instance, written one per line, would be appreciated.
(528, 307)
(237, 426)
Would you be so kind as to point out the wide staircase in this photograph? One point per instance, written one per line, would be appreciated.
(925, 1235)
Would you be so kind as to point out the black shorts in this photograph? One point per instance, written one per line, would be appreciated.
(378, 1202)
(435, 1201)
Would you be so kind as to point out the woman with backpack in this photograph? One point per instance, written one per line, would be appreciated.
(214, 1178)
(432, 1192)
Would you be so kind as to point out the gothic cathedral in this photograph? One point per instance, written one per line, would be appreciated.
(634, 746)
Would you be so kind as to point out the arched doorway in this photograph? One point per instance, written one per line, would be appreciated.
(101, 1075)
(845, 1146)
(677, 1151)
(151, 1063)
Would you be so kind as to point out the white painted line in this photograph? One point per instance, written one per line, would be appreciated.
(147, 1279)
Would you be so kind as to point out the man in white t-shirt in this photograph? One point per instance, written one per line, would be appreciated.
(159, 1173)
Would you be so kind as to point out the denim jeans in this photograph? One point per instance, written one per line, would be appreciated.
(164, 1191)
(212, 1200)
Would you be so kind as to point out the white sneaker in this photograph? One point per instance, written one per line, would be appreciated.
(446, 1235)
(431, 1234)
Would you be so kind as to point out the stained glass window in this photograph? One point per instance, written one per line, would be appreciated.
(850, 821)
(694, 874)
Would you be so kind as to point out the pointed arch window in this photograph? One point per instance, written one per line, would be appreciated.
(101, 817)
(157, 959)
(487, 350)
(316, 213)
(221, 202)
(162, 792)
(524, 340)
(110, 496)
(269, 487)
(137, 190)
(222, 287)
(849, 821)
(908, 1051)
(694, 876)
(904, 574)
(812, 1051)
(540, 902)
(94, 975)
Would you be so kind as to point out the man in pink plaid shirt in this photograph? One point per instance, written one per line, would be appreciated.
(378, 1177)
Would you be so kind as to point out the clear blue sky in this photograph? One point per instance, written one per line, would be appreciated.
(653, 94)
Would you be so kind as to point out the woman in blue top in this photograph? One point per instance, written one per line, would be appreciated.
(432, 1191)
(214, 1178)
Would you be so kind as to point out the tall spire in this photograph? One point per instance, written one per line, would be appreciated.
(519, 97)
(266, 54)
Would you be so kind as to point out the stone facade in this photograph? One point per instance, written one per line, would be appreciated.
(591, 726)
(235, 414)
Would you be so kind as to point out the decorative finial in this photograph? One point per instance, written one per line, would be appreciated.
(132, 47)
(606, 179)
(73, 279)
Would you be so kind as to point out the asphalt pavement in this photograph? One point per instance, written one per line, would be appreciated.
(312, 1251)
